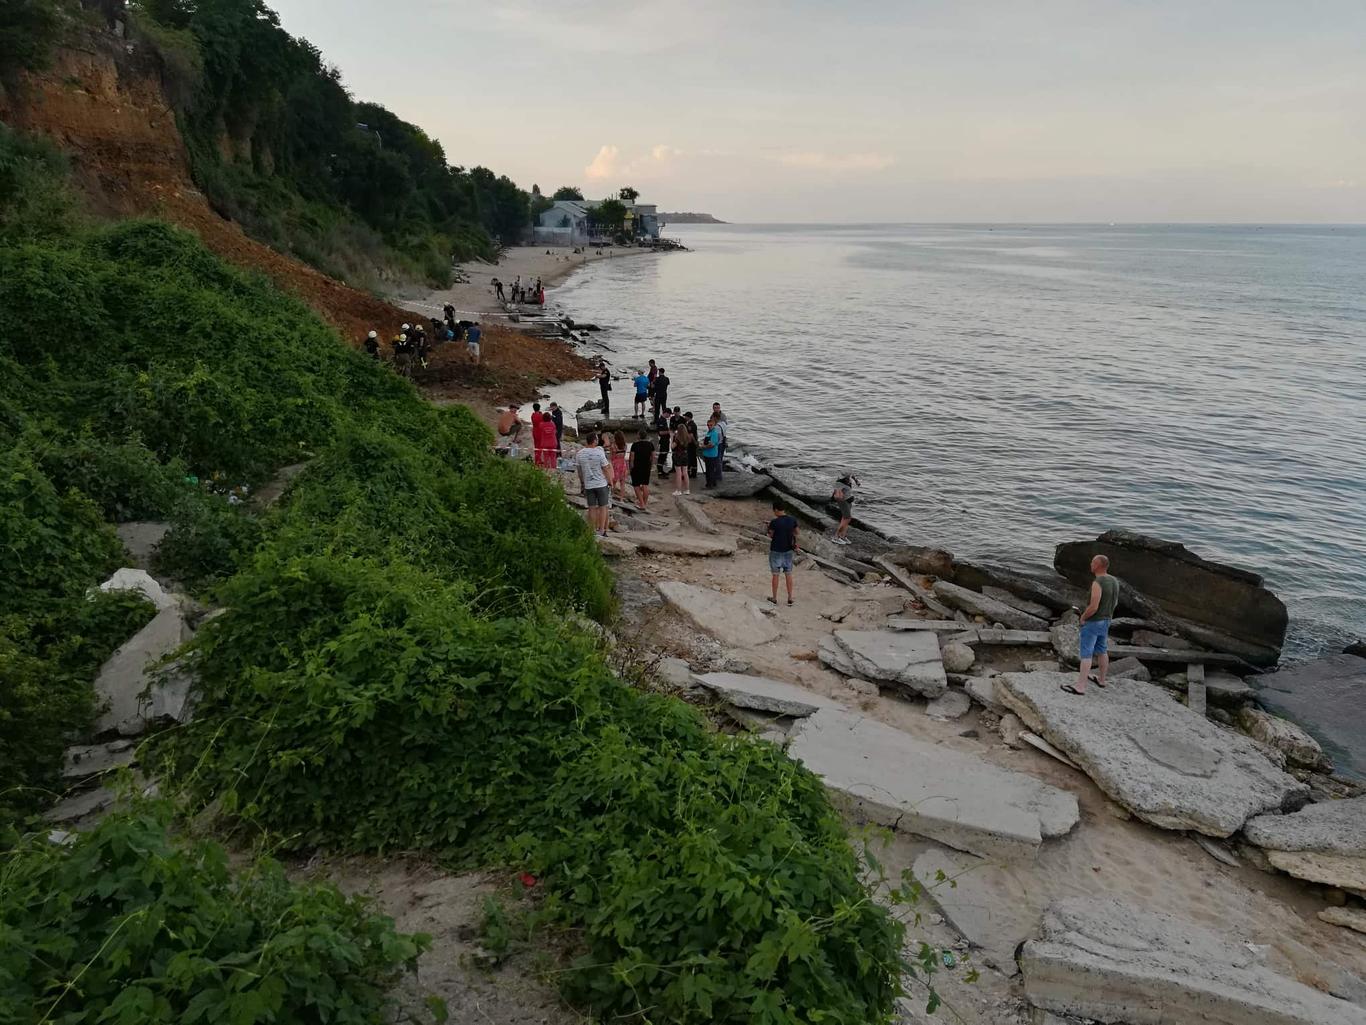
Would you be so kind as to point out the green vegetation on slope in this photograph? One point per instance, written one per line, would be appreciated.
(404, 661)
(279, 145)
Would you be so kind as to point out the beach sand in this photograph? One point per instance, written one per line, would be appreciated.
(474, 299)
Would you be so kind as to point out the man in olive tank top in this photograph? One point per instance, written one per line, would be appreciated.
(1095, 627)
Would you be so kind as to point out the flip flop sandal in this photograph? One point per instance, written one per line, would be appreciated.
(1072, 690)
(1096, 680)
(771, 601)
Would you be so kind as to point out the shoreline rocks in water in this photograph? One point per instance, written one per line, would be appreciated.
(1328, 697)
(1222, 606)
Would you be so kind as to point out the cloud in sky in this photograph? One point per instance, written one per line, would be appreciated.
(608, 163)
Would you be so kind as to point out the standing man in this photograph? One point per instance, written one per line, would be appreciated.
(642, 383)
(782, 543)
(557, 415)
(661, 393)
(711, 453)
(472, 337)
(1095, 627)
(372, 346)
(605, 386)
(642, 454)
(595, 473)
(663, 439)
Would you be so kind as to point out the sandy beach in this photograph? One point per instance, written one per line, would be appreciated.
(474, 298)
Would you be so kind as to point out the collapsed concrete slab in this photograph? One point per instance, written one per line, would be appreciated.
(670, 544)
(1032, 608)
(1225, 599)
(1153, 755)
(910, 660)
(952, 704)
(891, 778)
(132, 689)
(733, 620)
(991, 906)
(1324, 843)
(1110, 962)
(994, 611)
(1298, 747)
(764, 695)
(140, 581)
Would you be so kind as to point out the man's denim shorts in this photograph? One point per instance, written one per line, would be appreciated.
(779, 562)
(1095, 637)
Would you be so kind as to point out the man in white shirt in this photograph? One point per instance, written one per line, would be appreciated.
(595, 473)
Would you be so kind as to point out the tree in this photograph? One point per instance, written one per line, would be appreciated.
(628, 194)
(568, 192)
(610, 216)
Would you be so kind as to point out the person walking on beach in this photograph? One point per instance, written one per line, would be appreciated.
(595, 474)
(661, 393)
(782, 546)
(498, 289)
(642, 383)
(683, 443)
(1095, 628)
(711, 453)
(642, 455)
(605, 386)
(843, 497)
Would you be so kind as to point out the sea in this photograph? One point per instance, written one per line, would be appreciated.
(1001, 388)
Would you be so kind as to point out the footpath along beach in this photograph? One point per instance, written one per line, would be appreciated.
(1162, 850)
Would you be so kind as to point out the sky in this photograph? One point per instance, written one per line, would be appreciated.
(890, 111)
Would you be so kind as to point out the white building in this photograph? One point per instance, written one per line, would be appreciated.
(567, 222)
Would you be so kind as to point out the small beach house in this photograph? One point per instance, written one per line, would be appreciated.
(568, 222)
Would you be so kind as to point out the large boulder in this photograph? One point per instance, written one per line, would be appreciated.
(1328, 697)
(994, 611)
(1153, 755)
(893, 779)
(909, 660)
(1110, 962)
(740, 484)
(1324, 843)
(1226, 600)
(733, 620)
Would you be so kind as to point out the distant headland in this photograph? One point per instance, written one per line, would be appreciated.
(690, 218)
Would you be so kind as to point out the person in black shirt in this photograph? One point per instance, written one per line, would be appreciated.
(663, 436)
(557, 415)
(782, 544)
(642, 453)
(604, 386)
(372, 346)
(661, 392)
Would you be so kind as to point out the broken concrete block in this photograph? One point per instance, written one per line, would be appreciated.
(982, 689)
(992, 907)
(129, 686)
(1347, 918)
(893, 779)
(975, 604)
(94, 759)
(1129, 668)
(1298, 747)
(1166, 764)
(1107, 961)
(734, 620)
(1324, 843)
(139, 580)
(763, 695)
(910, 660)
(957, 656)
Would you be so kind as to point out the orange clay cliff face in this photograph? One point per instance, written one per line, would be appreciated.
(104, 104)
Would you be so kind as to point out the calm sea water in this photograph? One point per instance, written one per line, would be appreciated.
(1002, 389)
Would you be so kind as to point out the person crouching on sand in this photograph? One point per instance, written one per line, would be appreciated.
(1095, 628)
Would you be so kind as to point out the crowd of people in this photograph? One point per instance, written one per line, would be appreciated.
(518, 292)
(412, 345)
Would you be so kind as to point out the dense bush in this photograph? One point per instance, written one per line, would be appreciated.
(127, 927)
(367, 706)
(29, 30)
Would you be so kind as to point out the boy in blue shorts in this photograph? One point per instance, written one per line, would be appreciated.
(782, 545)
